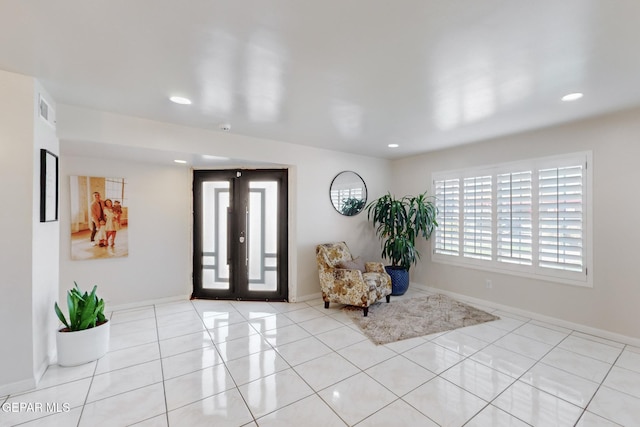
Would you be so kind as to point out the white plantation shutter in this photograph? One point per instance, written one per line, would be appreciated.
(561, 221)
(477, 232)
(447, 235)
(514, 227)
(528, 218)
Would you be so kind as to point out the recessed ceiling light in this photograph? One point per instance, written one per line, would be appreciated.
(393, 145)
(215, 158)
(180, 100)
(182, 162)
(572, 96)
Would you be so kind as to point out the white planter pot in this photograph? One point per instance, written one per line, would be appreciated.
(78, 347)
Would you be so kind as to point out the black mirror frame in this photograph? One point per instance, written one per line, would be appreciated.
(359, 207)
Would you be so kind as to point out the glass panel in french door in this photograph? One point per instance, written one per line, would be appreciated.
(215, 207)
(262, 235)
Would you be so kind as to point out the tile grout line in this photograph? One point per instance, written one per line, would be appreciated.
(401, 397)
(602, 385)
(224, 363)
(539, 361)
(396, 352)
(361, 371)
(136, 388)
(398, 398)
(164, 388)
(364, 371)
(490, 402)
(163, 379)
(293, 368)
(436, 375)
(90, 384)
(84, 404)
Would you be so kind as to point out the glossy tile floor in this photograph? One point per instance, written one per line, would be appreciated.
(212, 363)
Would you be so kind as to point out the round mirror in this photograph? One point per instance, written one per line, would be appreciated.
(348, 193)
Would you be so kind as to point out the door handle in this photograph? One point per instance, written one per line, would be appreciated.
(229, 218)
(246, 227)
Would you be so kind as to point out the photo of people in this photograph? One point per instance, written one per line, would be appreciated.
(99, 217)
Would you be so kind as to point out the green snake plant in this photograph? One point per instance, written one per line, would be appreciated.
(85, 310)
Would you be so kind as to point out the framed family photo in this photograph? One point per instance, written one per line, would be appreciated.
(99, 217)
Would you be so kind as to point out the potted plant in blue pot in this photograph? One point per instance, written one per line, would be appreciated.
(398, 222)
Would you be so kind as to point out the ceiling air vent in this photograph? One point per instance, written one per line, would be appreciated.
(46, 112)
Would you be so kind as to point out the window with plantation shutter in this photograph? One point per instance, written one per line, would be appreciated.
(477, 231)
(514, 203)
(560, 229)
(528, 218)
(447, 235)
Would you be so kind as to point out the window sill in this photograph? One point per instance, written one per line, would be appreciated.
(585, 281)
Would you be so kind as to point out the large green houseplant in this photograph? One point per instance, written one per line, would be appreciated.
(398, 222)
(85, 336)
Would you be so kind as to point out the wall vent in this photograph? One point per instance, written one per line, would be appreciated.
(46, 112)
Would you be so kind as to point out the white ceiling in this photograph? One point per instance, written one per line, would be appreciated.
(349, 75)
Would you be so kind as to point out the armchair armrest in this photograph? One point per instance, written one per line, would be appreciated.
(374, 267)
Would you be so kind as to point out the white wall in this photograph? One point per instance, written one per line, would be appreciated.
(16, 187)
(612, 302)
(28, 254)
(46, 240)
(312, 217)
(158, 233)
(318, 221)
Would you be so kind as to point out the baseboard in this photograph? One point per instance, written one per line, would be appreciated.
(138, 304)
(317, 296)
(613, 336)
(40, 370)
(30, 384)
(17, 387)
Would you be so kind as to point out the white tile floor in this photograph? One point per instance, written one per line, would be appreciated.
(218, 363)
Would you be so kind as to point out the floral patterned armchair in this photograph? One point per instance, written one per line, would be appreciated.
(350, 281)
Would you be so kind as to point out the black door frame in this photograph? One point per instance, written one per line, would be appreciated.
(238, 281)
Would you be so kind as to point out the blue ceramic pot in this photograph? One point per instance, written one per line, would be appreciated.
(399, 279)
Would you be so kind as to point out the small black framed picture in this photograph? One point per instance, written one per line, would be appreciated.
(48, 186)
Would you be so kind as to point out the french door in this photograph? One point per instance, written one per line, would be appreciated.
(240, 234)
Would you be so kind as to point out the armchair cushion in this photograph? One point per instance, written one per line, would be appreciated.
(354, 264)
